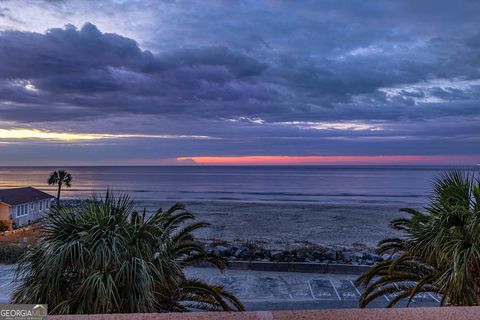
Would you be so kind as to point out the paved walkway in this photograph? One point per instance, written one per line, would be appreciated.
(6, 286)
(260, 290)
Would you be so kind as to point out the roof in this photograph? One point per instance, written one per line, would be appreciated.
(22, 195)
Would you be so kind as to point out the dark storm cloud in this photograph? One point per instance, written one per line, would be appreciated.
(105, 73)
(99, 73)
(270, 72)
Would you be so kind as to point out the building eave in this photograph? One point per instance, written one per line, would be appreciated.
(7, 204)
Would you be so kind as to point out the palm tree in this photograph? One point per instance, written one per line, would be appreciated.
(60, 178)
(105, 257)
(440, 250)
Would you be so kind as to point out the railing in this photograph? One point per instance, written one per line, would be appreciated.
(444, 313)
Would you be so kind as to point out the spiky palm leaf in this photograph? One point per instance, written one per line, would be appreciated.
(440, 249)
(105, 257)
(60, 178)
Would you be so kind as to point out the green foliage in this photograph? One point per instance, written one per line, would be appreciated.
(440, 250)
(10, 252)
(60, 178)
(107, 258)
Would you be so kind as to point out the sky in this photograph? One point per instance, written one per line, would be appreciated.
(239, 82)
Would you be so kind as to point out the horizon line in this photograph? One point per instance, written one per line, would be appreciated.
(335, 160)
(252, 165)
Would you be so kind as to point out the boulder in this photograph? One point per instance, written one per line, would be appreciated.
(386, 256)
(372, 256)
(395, 256)
(331, 255)
(276, 254)
(243, 252)
(259, 253)
(359, 256)
(302, 256)
(221, 251)
(317, 254)
(348, 256)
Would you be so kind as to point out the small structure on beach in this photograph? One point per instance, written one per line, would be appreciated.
(21, 206)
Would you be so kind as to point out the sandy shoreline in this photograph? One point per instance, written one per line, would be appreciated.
(285, 224)
(291, 223)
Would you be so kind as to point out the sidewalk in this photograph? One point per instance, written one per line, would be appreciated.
(6, 286)
(266, 290)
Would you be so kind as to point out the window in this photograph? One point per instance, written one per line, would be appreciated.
(41, 205)
(21, 210)
(31, 206)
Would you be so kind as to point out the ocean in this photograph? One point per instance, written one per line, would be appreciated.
(311, 184)
(277, 205)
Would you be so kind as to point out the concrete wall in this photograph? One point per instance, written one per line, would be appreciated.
(439, 313)
(308, 267)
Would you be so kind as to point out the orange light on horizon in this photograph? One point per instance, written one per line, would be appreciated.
(312, 160)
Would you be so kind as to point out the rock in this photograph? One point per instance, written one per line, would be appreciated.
(317, 254)
(331, 255)
(372, 256)
(243, 252)
(276, 254)
(395, 256)
(348, 256)
(367, 255)
(301, 256)
(221, 251)
(359, 256)
(260, 254)
(386, 257)
(288, 256)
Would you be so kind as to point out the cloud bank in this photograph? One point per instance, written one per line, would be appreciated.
(320, 78)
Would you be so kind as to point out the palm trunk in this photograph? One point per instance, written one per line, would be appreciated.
(58, 195)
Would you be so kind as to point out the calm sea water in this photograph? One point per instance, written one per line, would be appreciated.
(328, 185)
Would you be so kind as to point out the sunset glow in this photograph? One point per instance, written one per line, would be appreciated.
(71, 136)
(320, 160)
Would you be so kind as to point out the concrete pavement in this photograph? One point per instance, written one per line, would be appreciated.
(6, 285)
(265, 290)
(261, 290)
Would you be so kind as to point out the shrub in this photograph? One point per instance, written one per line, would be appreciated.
(107, 258)
(439, 251)
(11, 252)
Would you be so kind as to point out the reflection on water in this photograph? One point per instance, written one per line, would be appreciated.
(336, 185)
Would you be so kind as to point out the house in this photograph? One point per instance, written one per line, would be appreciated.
(21, 206)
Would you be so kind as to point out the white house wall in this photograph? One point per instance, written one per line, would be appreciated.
(35, 211)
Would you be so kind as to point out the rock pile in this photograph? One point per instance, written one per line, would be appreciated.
(307, 254)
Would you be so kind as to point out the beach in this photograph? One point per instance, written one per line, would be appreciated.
(283, 224)
(276, 206)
